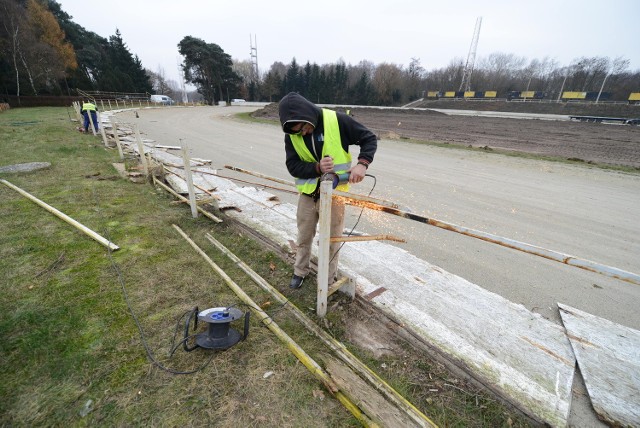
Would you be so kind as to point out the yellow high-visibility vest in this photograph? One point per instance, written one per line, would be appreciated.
(331, 146)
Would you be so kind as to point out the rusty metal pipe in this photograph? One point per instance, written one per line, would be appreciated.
(567, 259)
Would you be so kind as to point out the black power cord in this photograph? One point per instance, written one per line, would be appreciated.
(141, 331)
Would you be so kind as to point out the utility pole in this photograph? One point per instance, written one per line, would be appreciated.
(465, 85)
(254, 57)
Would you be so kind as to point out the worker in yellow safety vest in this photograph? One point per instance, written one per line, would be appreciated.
(88, 108)
(316, 143)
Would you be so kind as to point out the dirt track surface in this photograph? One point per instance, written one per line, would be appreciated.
(600, 143)
(589, 142)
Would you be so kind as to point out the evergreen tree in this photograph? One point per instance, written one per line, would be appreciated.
(105, 65)
(362, 91)
(90, 48)
(315, 84)
(207, 66)
(272, 86)
(293, 80)
(123, 72)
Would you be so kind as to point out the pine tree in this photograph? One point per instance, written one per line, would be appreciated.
(207, 66)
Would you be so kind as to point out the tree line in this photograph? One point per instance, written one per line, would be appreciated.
(392, 84)
(45, 52)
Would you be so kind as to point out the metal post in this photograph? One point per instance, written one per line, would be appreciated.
(326, 188)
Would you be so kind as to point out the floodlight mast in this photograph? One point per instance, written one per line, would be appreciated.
(465, 85)
(253, 43)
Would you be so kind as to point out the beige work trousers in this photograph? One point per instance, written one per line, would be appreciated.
(307, 218)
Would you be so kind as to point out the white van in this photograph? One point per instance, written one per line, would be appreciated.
(161, 99)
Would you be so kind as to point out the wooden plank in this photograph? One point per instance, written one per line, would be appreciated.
(381, 411)
(609, 359)
(187, 173)
(114, 126)
(324, 234)
(102, 133)
(336, 285)
(337, 347)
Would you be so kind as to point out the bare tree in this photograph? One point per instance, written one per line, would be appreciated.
(447, 78)
(414, 80)
(386, 81)
(13, 24)
(356, 71)
(500, 71)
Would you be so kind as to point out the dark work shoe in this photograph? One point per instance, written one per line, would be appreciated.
(296, 281)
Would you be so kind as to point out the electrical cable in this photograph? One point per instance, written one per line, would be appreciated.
(143, 339)
(141, 332)
(270, 314)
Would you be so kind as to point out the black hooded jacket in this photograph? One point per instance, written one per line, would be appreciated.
(296, 108)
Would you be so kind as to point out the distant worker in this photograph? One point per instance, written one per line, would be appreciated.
(317, 142)
(88, 108)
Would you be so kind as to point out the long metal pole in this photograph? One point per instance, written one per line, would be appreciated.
(107, 243)
(510, 243)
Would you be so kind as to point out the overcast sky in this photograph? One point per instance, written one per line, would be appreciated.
(392, 31)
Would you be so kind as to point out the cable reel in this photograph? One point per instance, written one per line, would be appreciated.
(219, 334)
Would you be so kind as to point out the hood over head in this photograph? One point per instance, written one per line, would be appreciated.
(295, 108)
